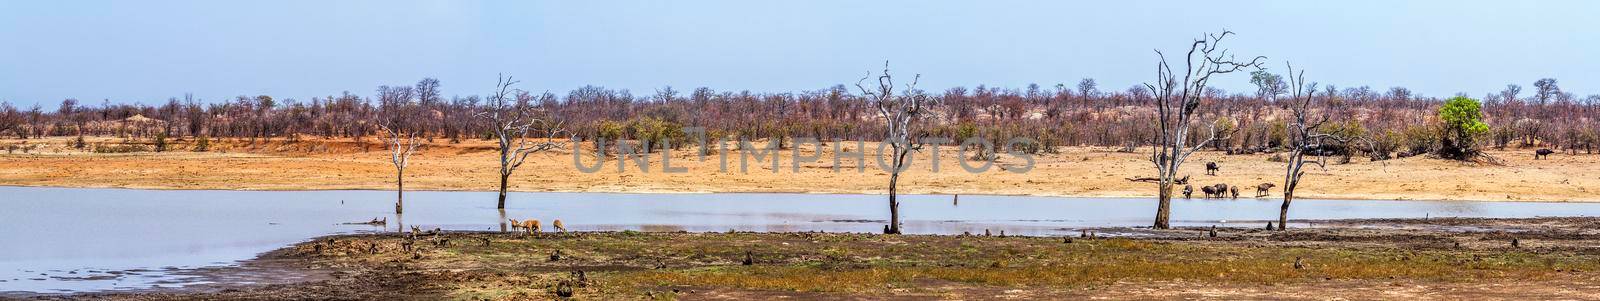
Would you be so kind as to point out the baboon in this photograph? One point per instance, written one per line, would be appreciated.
(1263, 189)
(563, 290)
(1212, 168)
(749, 258)
(1208, 190)
(1234, 190)
(1543, 153)
(581, 278)
(557, 224)
(1188, 191)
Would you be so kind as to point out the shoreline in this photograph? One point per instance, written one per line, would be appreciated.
(1343, 257)
(660, 191)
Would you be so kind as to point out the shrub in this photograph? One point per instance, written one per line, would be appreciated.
(119, 148)
(161, 142)
(1462, 121)
(202, 145)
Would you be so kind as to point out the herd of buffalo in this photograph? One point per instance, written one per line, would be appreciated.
(1225, 191)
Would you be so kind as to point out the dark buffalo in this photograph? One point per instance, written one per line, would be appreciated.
(1543, 153)
(1261, 190)
(1212, 168)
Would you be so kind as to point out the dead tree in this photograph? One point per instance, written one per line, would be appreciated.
(513, 118)
(902, 114)
(1177, 98)
(402, 144)
(402, 134)
(1304, 136)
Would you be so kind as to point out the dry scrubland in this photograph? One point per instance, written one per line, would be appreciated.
(1076, 172)
(470, 165)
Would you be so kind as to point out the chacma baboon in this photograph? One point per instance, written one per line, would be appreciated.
(1188, 191)
(1208, 190)
(1234, 191)
(1543, 153)
(1261, 190)
(563, 290)
(1212, 168)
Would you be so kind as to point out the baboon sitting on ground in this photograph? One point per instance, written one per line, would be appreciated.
(1543, 153)
(1261, 190)
(1212, 168)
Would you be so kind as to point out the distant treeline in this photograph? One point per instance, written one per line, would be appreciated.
(1395, 121)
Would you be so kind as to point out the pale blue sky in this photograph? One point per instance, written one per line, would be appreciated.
(147, 51)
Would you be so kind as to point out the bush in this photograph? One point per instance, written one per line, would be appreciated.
(119, 148)
(161, 142)
(1462, 121)
(202, 145)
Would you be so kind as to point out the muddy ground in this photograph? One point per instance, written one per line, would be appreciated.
(1426, 259)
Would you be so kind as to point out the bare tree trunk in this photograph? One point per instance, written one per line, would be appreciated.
(1164, 206)
(503, 179)
(894, 204)
(399, 190)
(1283, 212)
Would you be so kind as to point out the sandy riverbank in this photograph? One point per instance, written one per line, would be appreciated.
(471, 165)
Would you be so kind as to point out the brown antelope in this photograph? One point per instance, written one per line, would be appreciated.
(515, 225)
(532, 225)
(557, 224)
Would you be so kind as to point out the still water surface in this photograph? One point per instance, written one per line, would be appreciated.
(73, 239)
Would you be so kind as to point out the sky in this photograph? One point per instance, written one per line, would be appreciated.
(149, 51)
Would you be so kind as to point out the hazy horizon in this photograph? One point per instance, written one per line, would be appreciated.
(146, 52)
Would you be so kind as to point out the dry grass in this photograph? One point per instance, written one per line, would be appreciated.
(1076, 171)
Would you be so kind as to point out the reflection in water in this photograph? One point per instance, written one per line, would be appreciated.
(66, 229)
(502, 219)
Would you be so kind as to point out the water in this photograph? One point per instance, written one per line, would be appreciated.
(73, 240)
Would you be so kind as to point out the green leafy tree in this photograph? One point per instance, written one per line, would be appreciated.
(1462, 119)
